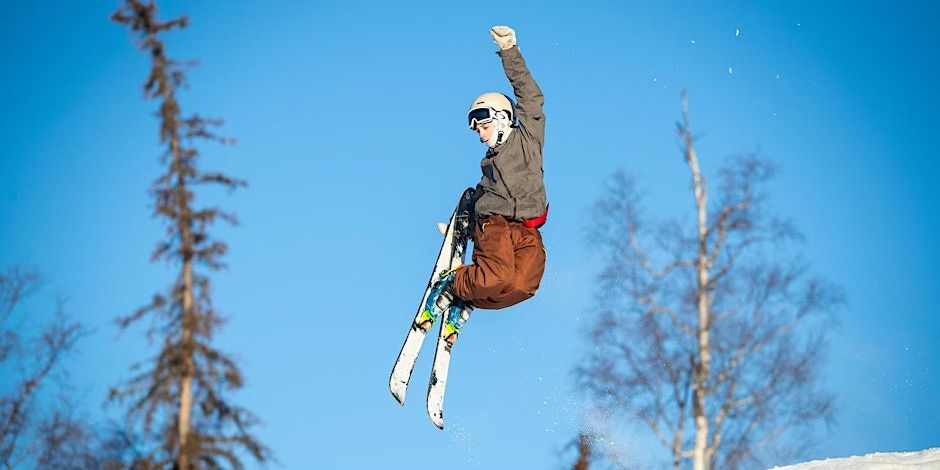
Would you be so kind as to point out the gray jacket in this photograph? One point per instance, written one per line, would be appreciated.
(512, 183)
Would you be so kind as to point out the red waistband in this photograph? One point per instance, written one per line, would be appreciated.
(537, 222)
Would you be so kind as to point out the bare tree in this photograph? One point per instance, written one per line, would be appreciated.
(180, 396)
(67, 442)
(31, 362)
(712, 332)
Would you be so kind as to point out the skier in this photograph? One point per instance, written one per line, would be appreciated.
(509, 205)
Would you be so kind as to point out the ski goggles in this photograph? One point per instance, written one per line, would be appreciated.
(480, 116)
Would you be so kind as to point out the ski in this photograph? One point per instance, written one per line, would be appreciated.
(451, 254)
(438, 381)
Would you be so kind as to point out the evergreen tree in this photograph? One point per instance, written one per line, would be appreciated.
(180, 396)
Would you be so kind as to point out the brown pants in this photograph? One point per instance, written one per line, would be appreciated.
(508, 263)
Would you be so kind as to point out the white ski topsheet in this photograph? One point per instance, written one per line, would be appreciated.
(438, 381)
(401, 372)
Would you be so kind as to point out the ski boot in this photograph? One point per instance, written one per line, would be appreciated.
(457, 315)
(439, 300)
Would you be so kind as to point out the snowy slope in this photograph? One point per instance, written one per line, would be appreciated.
(925, 459)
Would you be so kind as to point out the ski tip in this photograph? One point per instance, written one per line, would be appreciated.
(398, 395)
(437, 420)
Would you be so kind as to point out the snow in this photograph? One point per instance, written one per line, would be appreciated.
(925, 459)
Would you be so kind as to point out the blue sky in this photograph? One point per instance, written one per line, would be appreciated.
(350, 120)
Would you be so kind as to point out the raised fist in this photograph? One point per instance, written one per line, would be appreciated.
(504, 36)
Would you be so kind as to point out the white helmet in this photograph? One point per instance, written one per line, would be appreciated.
(486, 106)
(496, 108)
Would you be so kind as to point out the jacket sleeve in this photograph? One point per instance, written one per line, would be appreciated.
(529, 98)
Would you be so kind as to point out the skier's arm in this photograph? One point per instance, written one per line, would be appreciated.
(529, 98)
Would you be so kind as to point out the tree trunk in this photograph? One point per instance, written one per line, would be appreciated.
(703, 364)
(584, 453)
(184, 224)
(186, 385)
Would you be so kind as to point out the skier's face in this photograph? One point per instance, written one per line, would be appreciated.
(484, 130)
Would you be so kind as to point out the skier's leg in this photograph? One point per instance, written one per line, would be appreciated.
(501, 246)
(493, 267)
(529, 260)
(529, 265)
